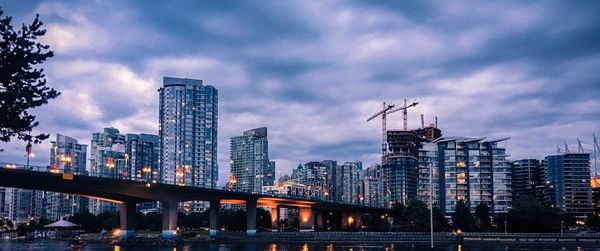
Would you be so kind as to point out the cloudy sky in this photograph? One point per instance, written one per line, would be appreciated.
(313, 71)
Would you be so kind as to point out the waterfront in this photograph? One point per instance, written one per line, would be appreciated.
(42, 245)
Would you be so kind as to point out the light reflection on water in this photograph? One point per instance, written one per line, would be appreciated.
(44, 245)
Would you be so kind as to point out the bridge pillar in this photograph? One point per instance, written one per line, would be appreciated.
(215, 205)
(318, 220)
(127, 219)
(275, 218)
(169, 219)
(251, 217)
(306, 219)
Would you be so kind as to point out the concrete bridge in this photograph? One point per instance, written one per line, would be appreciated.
(127, 194)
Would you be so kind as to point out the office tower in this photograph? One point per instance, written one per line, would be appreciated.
(142, 152)
(400, 167)
(528, 179)
(249, 160)
(474, 170)
(108, 159)
(269, 179)
(568, 176)
(66, 156)
(371, 187)
(24, 205)
(348, 175)
(188, 125)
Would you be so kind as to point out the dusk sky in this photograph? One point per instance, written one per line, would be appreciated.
(313, 71)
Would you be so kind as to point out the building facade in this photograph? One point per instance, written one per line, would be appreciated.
(269, 179)
(249, 160)
(66, 156)
(108, 159)
(142, 152)
(568, 176)
(24, 205)
(528, 179)
(348, 190)
(473, 170)
(188, 115)
(371, 193)
(400, 167)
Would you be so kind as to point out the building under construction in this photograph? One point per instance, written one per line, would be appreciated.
(400, 167)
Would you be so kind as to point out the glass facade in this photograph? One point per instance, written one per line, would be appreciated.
(568, 177)
(473, 170)
(188, 115)
(249, 160)
(108, 159)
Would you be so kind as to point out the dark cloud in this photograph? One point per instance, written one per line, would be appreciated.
(313, 71)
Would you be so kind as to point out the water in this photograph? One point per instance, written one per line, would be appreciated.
(50, 245)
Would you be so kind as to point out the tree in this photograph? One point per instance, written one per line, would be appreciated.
(528, 215)
(263, 219)
(462, 219)
(440, 224)
(417, 216)
(482, 218)
(22, 85)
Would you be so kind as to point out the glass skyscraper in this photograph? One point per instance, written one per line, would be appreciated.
(568, 176)
(188, 115)
(249, 160)
(474, 170)
(108, 159)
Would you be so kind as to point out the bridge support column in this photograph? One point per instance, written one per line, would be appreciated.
(251, 217)
(215, 205)
(275, 218)
(127, 219)
(318, 220)
(306, 219)
(169, 219)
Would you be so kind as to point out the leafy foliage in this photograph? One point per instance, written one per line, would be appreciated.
(482, 218)
(22, 86)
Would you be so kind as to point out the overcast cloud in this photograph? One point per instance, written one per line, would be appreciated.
(313, 71)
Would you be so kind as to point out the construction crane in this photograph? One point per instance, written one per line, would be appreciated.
(383, 113)
(386, 110)
(566, 148)
(404, 112)
(579, 146)
(596, 150)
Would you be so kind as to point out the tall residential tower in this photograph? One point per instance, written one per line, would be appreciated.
(188, 115)
(249, 160)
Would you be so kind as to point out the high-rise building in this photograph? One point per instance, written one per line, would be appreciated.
(596, 195)
(108, 159)
(318, 175)
(3, 203)
(348, 178)
(400, 167)
(269, 179)
(188, 116)
(249, 160)
(528, 179)
(24, 204)
(568, 176)
(142, 152)
(66, 156)
(371, 187)
(469, 169)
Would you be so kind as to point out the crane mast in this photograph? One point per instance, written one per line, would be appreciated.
(388, 108)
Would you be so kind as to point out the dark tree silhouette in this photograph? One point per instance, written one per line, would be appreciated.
(483, 218)
(22, 85)
(462, 218)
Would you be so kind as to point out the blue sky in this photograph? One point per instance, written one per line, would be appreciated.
(313, 71)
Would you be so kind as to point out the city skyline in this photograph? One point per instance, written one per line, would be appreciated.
(288, 70)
